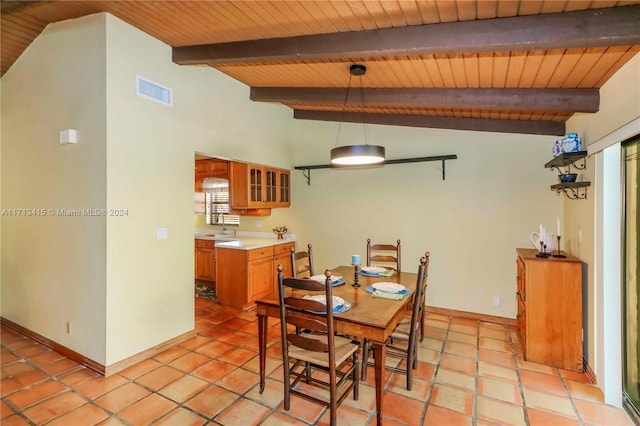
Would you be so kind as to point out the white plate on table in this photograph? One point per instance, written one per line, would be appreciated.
(323, 278)
(373, 269)
(388, 287)
(337, 301)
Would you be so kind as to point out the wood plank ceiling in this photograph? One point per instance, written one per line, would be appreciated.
(487, 65)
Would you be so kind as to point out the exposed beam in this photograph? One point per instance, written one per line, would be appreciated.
(8, 6)
(475, 124)
(569, 100)
(616, 26)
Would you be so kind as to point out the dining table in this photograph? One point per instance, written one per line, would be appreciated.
(372, 318)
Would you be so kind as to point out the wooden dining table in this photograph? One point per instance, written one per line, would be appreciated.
(370, 318)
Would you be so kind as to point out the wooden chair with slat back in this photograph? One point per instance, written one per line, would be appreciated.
(384, 255)
(316, 349)
(302, 262)
(403, 340)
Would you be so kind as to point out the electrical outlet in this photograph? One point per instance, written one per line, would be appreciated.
(162, 233)
(258, 223)
(496, 300)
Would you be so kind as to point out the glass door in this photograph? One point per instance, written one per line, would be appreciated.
(631, 273)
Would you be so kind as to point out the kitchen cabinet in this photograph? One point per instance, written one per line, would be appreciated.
(205, 263)
(549, 299)
(212, 167)
(246, 275)
(255, 186)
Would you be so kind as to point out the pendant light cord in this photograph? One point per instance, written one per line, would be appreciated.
(366, 138)
(344, 107)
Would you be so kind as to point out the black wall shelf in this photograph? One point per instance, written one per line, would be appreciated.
(563, 163)
(306, 170)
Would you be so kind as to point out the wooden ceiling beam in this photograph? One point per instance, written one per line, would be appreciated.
(615, 26)
(559, 100)
(474, 124)
(8, 6)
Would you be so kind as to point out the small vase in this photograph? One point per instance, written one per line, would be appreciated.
(280, 236)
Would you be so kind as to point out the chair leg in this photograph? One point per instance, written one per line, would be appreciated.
(422, 324)
(307, 368)
(356, 377)
(287, 385)
(410, 363)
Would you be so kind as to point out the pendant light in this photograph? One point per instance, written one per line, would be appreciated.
(356, 155)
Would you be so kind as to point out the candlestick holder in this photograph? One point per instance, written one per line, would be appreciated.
(356, 268)
(543, 250)
(558, 255)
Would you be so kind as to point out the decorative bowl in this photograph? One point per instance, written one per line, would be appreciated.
(568, 177)
(280, 231)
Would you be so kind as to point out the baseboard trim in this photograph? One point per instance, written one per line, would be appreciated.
(88, 362)
(146, 354)
(588, 371)
(471, 315)
(61, 349)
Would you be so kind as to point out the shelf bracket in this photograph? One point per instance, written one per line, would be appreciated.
(307, 175)
(573, 193)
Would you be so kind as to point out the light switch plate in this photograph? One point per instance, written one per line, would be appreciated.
(162, 234)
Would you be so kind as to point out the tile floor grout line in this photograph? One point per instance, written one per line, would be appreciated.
(432, 382)
(516, 368)
(67, 388)
(570, 397)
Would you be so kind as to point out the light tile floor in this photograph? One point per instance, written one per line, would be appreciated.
(469, 373)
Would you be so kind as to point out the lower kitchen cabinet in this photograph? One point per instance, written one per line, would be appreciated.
(205, 262)
(549, 299)
(246, 275)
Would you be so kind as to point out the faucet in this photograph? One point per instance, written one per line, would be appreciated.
(224, 229)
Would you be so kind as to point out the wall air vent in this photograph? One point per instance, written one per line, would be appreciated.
(154, 91)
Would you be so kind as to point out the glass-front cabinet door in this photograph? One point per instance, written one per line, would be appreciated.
(271, 183)
(255, 184)
(284, 188)
(631, 274)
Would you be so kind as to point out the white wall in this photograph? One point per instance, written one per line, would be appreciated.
(53, 267)
(123, 290)
(494, 196)
(150, 172)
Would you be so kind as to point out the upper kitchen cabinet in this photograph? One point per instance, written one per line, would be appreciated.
(254, 186)
(208, 168)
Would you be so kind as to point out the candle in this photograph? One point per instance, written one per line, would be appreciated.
(355, 259)
(558, 227)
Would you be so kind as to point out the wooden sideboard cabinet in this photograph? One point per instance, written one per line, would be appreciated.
(549, 301)
(246, 275)
(205, 263)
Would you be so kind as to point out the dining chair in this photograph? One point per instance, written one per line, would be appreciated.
(403, 340)
(385, 255)
(315, 349)
(302, 262)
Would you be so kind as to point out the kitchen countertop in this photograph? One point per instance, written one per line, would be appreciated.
(243, 240)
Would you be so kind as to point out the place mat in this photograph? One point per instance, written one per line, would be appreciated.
(404, 292)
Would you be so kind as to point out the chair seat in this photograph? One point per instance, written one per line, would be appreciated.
(344, 349)
(402, 330)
